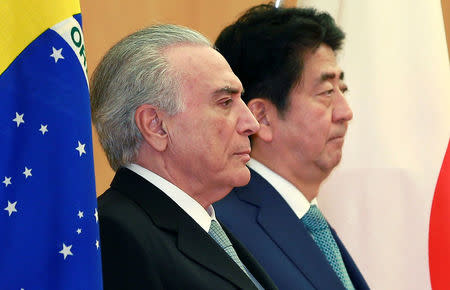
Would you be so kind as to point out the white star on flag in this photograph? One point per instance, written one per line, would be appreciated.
(96, 216)
(79, 231)
(43, 129)
(80, 148)
(11, 207)
(7, 181)
(27, 172)
(66, 251)
(97, 244)
(80, 214)
(19, 119)
(56, 54)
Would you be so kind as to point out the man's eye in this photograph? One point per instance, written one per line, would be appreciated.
(328, 92)
(227, 102)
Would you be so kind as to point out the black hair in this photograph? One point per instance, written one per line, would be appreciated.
(266, 46)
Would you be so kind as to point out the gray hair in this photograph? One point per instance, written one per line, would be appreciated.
(134, 72)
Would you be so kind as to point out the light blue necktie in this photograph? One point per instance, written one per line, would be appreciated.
(318, 227)
(217, 233)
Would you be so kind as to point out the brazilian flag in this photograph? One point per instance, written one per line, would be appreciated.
(48, 212)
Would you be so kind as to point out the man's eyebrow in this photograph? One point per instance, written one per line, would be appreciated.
(226, 90)
(330, 76)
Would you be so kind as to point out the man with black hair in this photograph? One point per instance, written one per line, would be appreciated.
(286, 61)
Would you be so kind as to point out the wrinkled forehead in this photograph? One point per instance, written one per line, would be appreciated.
(201, 67)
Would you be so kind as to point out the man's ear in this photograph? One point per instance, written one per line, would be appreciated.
(260, 109)
(148, 120)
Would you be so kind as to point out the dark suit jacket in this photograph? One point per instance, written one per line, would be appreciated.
(261, 219)
(149, 242)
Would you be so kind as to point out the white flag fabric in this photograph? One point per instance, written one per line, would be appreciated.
(379, 198)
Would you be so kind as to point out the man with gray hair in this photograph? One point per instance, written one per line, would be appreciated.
(169, 114)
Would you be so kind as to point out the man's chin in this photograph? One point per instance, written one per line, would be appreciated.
(330, 163)
(241, 177)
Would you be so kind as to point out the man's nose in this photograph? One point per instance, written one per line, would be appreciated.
(342, 111)
(247, 124)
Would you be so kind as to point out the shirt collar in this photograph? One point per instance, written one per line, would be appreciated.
(201, 216)
(292, 195)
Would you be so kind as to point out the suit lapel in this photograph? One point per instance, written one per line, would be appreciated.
(250, 262)
(195, 243)
(286, 230)
(192, 240)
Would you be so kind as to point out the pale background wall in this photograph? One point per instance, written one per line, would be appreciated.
(446, 14)
(107, 21)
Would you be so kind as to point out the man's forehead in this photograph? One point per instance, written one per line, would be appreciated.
(323, 70)
(196, 59)
(321, 57)
(203, 68)
(182, 55)
(317, 75)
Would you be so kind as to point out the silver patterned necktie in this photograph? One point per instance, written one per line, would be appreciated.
(217, 233)
(320, 231)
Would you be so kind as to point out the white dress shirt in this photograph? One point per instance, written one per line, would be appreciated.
(201, 216)
(293, 197)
